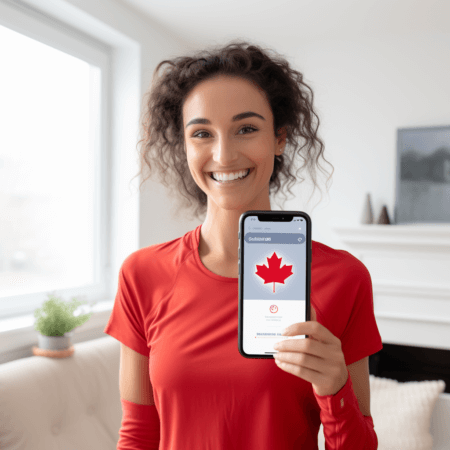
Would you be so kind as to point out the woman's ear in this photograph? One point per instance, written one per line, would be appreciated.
(281, 135)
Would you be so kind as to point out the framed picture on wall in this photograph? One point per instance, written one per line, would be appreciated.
(423, 176)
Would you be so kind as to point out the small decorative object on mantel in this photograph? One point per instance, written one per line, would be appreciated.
(367, 217)
(383, 219)
(55, 327)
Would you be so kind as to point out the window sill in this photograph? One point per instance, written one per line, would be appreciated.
(18, 336)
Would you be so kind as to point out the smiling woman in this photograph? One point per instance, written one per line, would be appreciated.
(224, 129)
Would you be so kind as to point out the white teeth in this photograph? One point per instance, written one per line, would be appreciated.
(230, 177)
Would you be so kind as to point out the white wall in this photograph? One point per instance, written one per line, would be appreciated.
(365, 89)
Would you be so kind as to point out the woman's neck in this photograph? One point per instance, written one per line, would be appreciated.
(219, 232)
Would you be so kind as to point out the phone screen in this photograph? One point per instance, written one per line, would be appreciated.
(274, 276)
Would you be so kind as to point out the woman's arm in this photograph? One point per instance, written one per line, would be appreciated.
(134, 379)
(140, 420)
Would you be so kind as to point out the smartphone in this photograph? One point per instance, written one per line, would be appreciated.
(274, 278)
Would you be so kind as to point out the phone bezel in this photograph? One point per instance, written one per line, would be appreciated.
(271, 216)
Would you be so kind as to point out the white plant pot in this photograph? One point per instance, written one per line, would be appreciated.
(55, 342)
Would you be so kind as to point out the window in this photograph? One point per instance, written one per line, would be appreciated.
(53, 162)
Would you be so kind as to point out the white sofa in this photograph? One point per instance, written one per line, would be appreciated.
(74, 403)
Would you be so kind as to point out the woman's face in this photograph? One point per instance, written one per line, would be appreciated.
(224, 145)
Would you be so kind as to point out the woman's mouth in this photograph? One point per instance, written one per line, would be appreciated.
(237, 181)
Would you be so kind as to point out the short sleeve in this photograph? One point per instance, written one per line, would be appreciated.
(361, 336)
(125, 322)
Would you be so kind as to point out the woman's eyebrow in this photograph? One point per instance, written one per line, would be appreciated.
(235, 118)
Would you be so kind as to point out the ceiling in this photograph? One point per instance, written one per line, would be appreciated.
(203, 23)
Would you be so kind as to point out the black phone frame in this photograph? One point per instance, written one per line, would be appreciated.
(271, 216)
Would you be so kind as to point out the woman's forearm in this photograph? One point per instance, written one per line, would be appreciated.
(344, 425)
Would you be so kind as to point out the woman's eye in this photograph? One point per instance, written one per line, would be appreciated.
(243, 128)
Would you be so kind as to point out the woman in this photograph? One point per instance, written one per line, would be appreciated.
(184, 385)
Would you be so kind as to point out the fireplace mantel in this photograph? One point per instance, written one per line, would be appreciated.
(410, 270)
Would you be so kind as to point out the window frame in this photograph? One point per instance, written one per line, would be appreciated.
(71, 30)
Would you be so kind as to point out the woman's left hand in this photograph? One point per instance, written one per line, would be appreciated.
(317, 359)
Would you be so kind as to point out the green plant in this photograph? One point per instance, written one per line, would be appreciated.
(58, 318)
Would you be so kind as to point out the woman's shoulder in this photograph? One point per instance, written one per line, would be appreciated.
(327, 256)
(165, 256)
(320, 249)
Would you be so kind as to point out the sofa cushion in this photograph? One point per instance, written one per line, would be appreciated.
(71, 403)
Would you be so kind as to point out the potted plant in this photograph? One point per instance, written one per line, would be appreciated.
(55, 322)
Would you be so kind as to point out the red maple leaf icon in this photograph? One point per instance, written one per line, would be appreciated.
(273, 273)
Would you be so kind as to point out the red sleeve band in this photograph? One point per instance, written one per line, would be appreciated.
(140, 427)
(344, 425)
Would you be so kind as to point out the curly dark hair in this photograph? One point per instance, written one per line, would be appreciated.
(162, 145)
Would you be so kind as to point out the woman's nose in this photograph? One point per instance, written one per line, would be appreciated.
(225, 153)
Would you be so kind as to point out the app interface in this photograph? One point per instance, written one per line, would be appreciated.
(274, 281)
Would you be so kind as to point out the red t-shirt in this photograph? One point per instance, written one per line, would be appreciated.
(170, 307)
